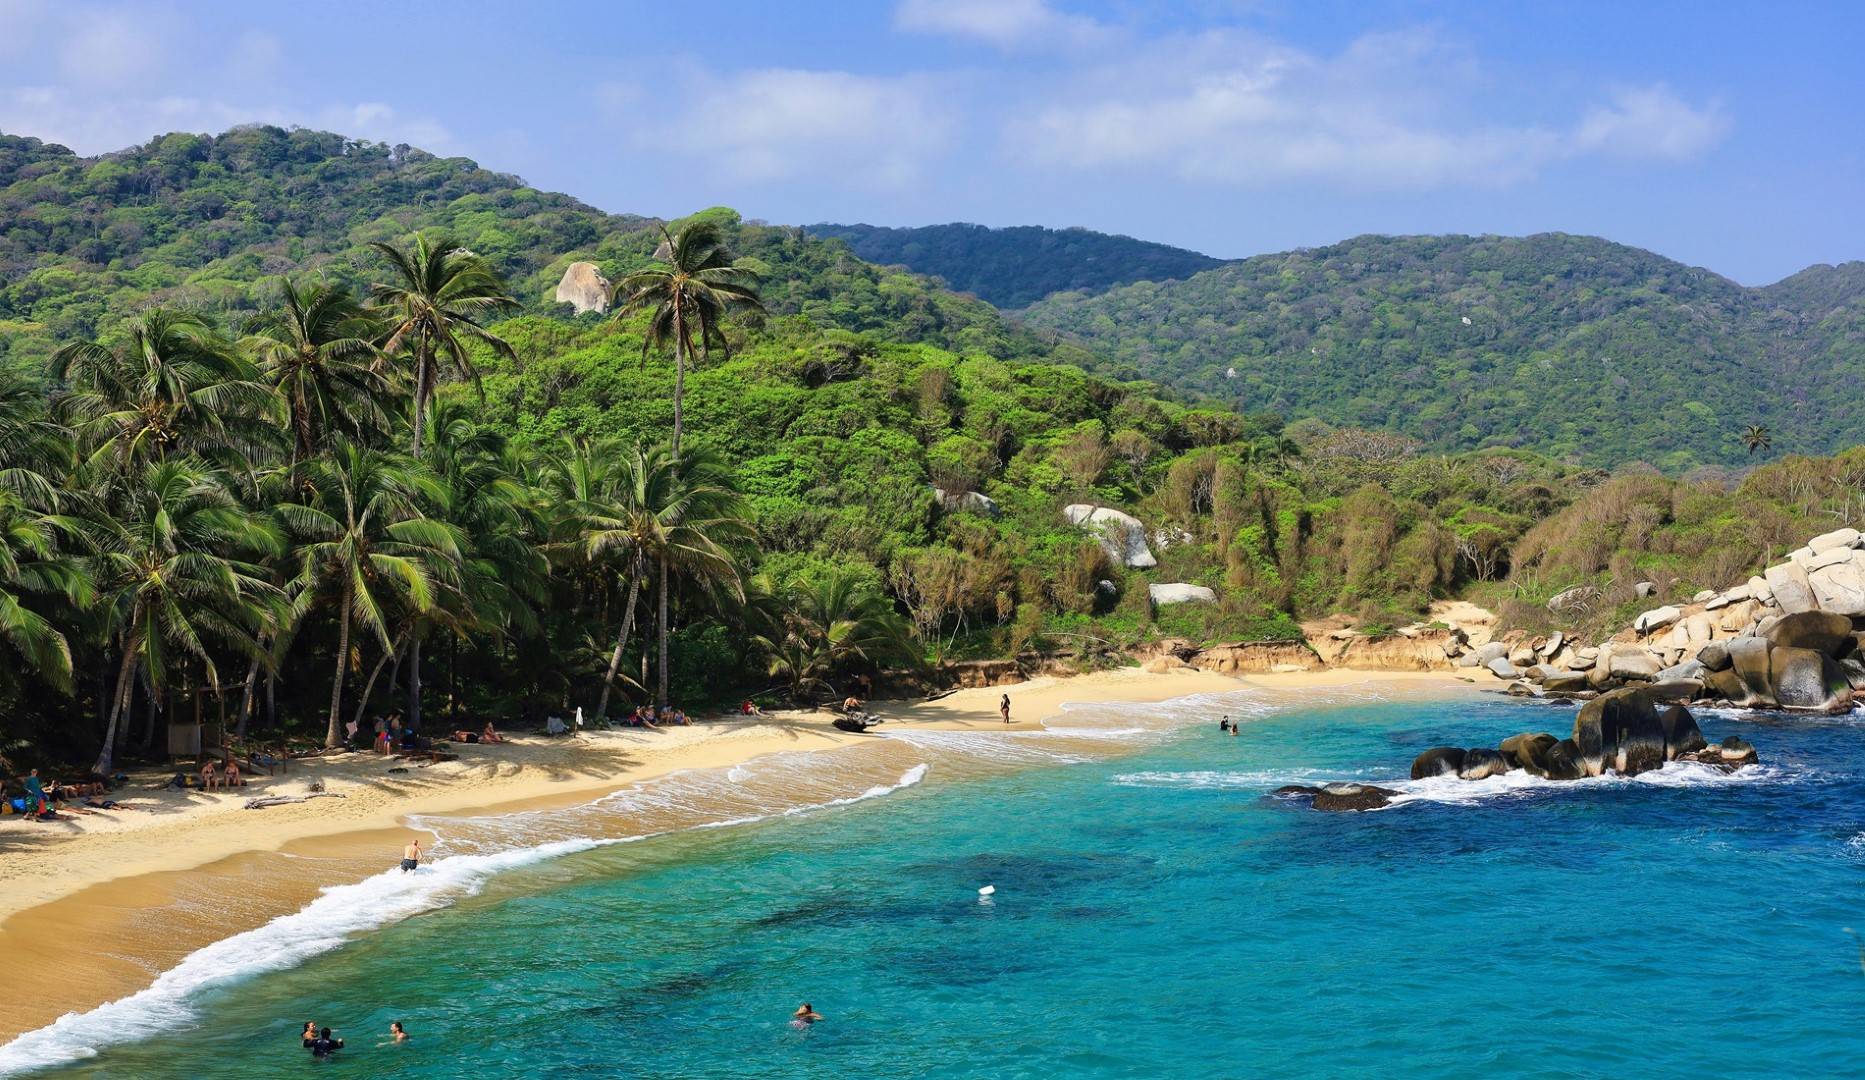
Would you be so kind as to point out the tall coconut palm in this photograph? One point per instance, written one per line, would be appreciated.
(31, 567)
(317, 349)
(638, 508)
(1756, 437)
(502, 577)
(687, 297)
(172, 578)
(363, 538)
(440, 294)
(174, 386)
(437, 301)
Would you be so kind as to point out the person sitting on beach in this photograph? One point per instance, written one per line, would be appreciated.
(680, 718)
(310, 1033)
(466, 736)
(210, 776)
(851, 705)
(411, 856)
(396, 1034)
(231, 778)
(490, 735)
(804, 1016)
(324, 1045)
(750, 708)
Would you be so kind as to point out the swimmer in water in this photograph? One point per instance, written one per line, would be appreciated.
(804, 1016)
(310, 1033)
(1236, 729)
(396, 1033)
(1224, 724)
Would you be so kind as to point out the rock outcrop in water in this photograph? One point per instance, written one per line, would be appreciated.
(1619, 732)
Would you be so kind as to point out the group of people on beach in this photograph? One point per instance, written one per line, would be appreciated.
(41, 800)
(322, 1044)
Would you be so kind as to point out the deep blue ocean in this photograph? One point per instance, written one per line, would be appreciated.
(1154, 915)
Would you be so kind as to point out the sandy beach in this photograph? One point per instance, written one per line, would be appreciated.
(94, 907)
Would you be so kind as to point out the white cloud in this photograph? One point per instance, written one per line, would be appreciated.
(1392, 112)
(781, 124)
(1651, 124)
(256, 57)
(1007, 24)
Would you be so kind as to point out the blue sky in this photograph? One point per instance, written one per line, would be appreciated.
(1725, 135)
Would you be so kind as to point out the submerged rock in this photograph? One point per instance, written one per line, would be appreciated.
(1352, 797)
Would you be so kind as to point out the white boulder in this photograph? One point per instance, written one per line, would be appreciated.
(1123, 537)
(584, 288)
(1792, 592)
(1656, 619)
(1180, 593)
(1839, 538)
(1840, 587)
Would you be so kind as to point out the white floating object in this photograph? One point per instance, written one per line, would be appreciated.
(987, 890)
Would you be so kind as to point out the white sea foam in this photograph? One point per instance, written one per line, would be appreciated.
(339, 914)
(1450, 789)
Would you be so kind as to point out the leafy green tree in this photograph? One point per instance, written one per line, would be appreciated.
(1756, 437)
(687, 298)
(170, 576)
(317, 350)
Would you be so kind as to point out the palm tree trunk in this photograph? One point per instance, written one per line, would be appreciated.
(414, 684)
(660, 697)
(621, 642)
(333, 736)
(679, 384)
(246, 698)
(362, 704)
(272, 700)
(124, 685)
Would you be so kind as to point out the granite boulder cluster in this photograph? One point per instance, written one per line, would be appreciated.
(1619, 732)
(1792, 637)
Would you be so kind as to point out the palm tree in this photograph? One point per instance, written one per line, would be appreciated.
(175, 386)
(688, 297)
(502, 577)
(31, 563)
(644, 508)
(825, 624)
(1756, 437)
(435, 305)
(170, 577)
(364, 535)
(317, 350)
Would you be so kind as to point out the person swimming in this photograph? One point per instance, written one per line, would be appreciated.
(1224, 724)
(324, 1046)
(309, 1035)
(396, 1032)
(804, 1016)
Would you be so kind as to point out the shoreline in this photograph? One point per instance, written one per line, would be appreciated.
(135, 893)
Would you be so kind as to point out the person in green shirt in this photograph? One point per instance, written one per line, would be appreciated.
(35, 792)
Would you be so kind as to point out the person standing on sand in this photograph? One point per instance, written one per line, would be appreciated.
(35, 793)
(411, 856)
(1003, 706)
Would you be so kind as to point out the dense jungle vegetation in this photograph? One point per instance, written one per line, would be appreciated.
(1017, 266)
(1572, 346)
(329, 448)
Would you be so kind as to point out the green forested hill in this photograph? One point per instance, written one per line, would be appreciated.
(1573, 346)
(197, 221)
(1018, 266)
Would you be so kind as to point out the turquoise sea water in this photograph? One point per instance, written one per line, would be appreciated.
(1154, 915)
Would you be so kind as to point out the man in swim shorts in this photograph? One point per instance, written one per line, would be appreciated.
(411, 856)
